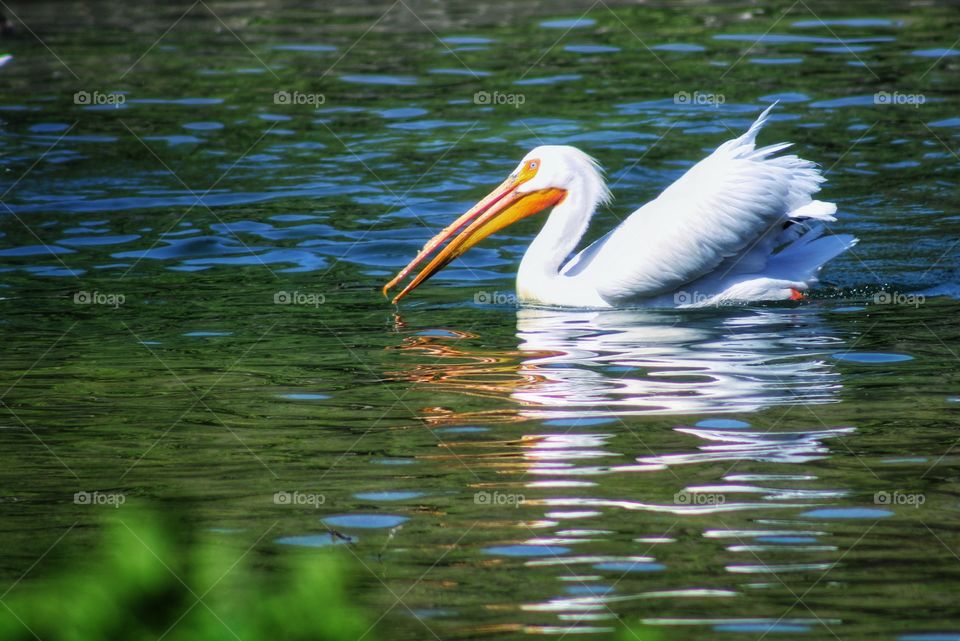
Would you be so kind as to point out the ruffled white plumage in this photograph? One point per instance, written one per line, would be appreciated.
(740, 225)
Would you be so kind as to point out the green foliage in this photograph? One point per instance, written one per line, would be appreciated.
(154, 579)
(151, 580)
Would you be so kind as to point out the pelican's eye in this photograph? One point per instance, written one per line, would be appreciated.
(528, 170)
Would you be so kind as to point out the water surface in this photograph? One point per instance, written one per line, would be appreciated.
(196, 219)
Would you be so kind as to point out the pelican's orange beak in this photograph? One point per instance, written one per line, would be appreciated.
(500, 208)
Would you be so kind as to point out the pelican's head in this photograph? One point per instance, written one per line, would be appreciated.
(562, 167)
(541, 180)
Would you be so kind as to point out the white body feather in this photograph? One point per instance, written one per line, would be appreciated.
(740, 225)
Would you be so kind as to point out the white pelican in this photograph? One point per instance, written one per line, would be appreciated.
(740, 225)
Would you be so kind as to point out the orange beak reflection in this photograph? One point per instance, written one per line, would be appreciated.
(502, 207)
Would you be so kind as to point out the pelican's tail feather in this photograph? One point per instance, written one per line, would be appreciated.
(803, 258)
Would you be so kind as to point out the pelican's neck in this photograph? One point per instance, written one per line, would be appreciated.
(539, 279)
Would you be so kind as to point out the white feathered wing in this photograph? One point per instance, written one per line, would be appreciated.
(711, 234)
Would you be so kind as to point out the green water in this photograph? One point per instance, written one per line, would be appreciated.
(191, 316)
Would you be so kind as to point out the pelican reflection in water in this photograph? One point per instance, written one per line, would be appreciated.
(577, 363)
(565, 366)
